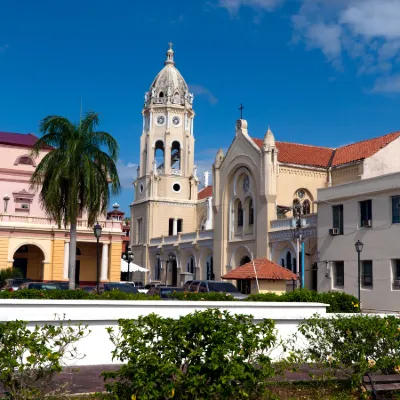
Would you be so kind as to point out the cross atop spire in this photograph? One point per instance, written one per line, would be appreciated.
(170, 55)
(241, 110)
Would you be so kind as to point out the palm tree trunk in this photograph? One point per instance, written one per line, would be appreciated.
(72, 256)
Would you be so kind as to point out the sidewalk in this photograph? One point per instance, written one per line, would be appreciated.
(87, 379)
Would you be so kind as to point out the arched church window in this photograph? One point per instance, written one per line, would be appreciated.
(306, 207)
(176, 156)
(296, 207)
(251, 212)
(244, 260)
(239, 214)
(161, 94)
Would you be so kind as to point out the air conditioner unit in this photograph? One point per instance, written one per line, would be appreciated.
(367, 222)
(396, 283)
(334, 231)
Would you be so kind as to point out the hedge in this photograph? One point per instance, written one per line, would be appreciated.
(73, 295)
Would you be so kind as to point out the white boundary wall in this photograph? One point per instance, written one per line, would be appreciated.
(99, 315)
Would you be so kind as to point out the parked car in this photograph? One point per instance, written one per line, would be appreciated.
(62, 284)
(214, 286)
(122, 287)
(14, 284)
(40, 286)
(163, 291)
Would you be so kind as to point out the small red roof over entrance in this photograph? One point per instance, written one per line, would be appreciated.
(266, 270)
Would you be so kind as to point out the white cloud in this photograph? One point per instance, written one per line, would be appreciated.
(326, 37)
(200, 90)
(233, 6)
(127, 173)
(389, 84)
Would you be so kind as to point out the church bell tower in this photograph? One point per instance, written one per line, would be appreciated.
(167, 169)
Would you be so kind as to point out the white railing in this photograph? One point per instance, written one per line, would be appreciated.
(156, 241)
(307, 221)
(175, 172)
(208, 234)
(170, 239)
(10, 220)
(186, 237)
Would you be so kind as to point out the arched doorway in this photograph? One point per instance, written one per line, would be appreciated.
(174, 271)
(244, 260)
(210, 268)
(28, 259)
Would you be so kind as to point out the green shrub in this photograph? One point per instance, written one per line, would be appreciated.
(205, 355)
(351, 346)
(9, 273)
(339, 302)
(73, 295)
(211, 296)
(29, 358)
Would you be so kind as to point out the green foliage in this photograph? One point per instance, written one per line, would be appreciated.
(351, 346)
(29, 358)
(205, 355)
(9, 273)
(211, 296)
(73, 295)
(339, 302)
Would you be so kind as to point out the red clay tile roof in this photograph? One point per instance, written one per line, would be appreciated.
(266, 270)
(361, 150)
(204, 193)
(301, 154)
(317, 156)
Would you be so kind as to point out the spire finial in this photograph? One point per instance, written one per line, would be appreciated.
(170, 55)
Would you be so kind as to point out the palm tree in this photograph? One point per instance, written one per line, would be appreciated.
(76, 175)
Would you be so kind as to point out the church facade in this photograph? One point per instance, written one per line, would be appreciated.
(262, 203)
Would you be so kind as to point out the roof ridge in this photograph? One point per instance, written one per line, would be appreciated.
(368, 140)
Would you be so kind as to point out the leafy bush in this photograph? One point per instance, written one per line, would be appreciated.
(73, 295)
(211, 296)
(352, 346)
(205, 355)
(339, 302)
(9, 273)
(29, 358)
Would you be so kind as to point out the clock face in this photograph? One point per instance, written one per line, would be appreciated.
(176, 120)
(160, 120)
(246, 184)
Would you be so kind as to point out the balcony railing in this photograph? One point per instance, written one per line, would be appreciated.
(197, 236)
(307, 221)
(24, 220)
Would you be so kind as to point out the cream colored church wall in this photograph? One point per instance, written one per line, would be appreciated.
(140, 211)
(347, 174)
(163, 211)
(165, 188)
(201, 213)
(290, 179)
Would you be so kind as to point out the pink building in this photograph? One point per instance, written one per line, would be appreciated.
(32, 242)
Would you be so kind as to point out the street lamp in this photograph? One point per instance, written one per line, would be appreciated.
(359, 247)
(158, 275)
(97, 234)
(6, 198)
(128, 257)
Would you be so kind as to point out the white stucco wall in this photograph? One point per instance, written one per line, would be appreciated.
(99, 315)
(385, 161)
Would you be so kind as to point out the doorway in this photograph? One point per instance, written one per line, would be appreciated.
(174, 273)
(77, 271)
(21, 264)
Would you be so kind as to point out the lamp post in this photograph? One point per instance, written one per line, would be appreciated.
(158, 256)
(6, 198)
(359, 247)
(97, 234)
(128, 257)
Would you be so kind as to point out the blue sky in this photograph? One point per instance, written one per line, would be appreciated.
(321, 72)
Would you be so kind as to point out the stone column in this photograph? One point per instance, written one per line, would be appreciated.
(104, 263)
(66, 260)
(175, 227)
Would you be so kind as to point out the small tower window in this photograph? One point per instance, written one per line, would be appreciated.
(161, 94)
(159, 156)
(176, 156)
(306, 207)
